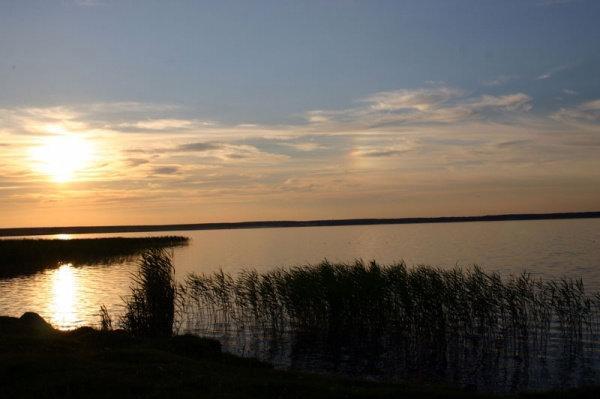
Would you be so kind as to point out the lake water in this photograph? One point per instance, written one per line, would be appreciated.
(71, 295)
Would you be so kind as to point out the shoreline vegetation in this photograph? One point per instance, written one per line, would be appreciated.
(437, 325)
(30, 231)
(465, 328)
(27, 256)
(461, 327)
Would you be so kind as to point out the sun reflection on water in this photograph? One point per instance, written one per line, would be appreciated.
(65, 289)
(63, 236)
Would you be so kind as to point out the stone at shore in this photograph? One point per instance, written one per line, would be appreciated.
(29, 323)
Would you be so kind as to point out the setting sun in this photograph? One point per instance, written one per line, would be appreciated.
(62, 157)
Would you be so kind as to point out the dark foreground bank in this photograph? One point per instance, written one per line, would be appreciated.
(39, 361)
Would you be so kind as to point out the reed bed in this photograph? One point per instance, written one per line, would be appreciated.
(464, 326)
(28, 256)
(150, 309)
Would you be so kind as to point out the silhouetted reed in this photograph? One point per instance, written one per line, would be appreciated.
(150, 309)
(27, 256)
(105, 319)
(463, 326)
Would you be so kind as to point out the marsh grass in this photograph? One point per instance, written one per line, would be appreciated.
(464, 326)
(28, 256)
(105, 319)
(150, 309)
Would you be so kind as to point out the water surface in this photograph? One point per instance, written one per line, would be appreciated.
(71, 295)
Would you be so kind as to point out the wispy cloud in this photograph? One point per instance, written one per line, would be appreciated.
(586, 112)
(163, 124)
(378, 152)
(553, 71)
(306, 146)
(165, 170)
(229, 152)
(420, 99)
(133, 162)
(427, 105)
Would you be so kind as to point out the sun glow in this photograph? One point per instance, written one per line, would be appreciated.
(62, 157)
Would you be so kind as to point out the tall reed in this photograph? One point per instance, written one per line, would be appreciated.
(460, 324)
(150, 309)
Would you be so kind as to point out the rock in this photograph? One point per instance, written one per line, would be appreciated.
(35, 323)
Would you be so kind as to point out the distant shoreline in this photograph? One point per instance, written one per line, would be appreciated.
(32, 231)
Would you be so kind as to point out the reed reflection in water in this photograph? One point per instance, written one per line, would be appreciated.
(463, 327)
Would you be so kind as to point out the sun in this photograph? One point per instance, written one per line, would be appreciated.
(62, 157)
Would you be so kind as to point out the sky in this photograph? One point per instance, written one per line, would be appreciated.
(147, 112)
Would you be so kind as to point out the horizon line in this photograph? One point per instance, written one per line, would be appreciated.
(34, 231)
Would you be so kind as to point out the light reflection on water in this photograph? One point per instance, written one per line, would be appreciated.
(68, 296)
(62, 236)
(64, 296)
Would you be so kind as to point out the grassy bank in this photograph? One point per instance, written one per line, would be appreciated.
(27, 256)
(38, 361)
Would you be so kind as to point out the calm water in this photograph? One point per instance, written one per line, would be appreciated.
(71, 295)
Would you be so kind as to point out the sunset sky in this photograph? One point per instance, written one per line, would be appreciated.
(143, 112)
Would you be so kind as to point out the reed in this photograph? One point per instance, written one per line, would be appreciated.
(150, 309)
(105, 319)
(455, 324)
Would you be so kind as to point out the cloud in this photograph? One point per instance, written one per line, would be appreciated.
(198, 147)
(162, 124)
(388, 148)
(39, 121)
(550, 73)
(587, 112)
(126, 107)
(158, 125)
(229, 152)
(165, 170)
(133, 162)
(305, 146)
(377, 152)
(420, 99)
(420, 106)
(513, 143)
(510, 102)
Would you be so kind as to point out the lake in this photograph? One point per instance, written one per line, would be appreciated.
(71, 295)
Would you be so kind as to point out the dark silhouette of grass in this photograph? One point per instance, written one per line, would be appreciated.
(150, 309)
(465, 327)
(28, 256)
